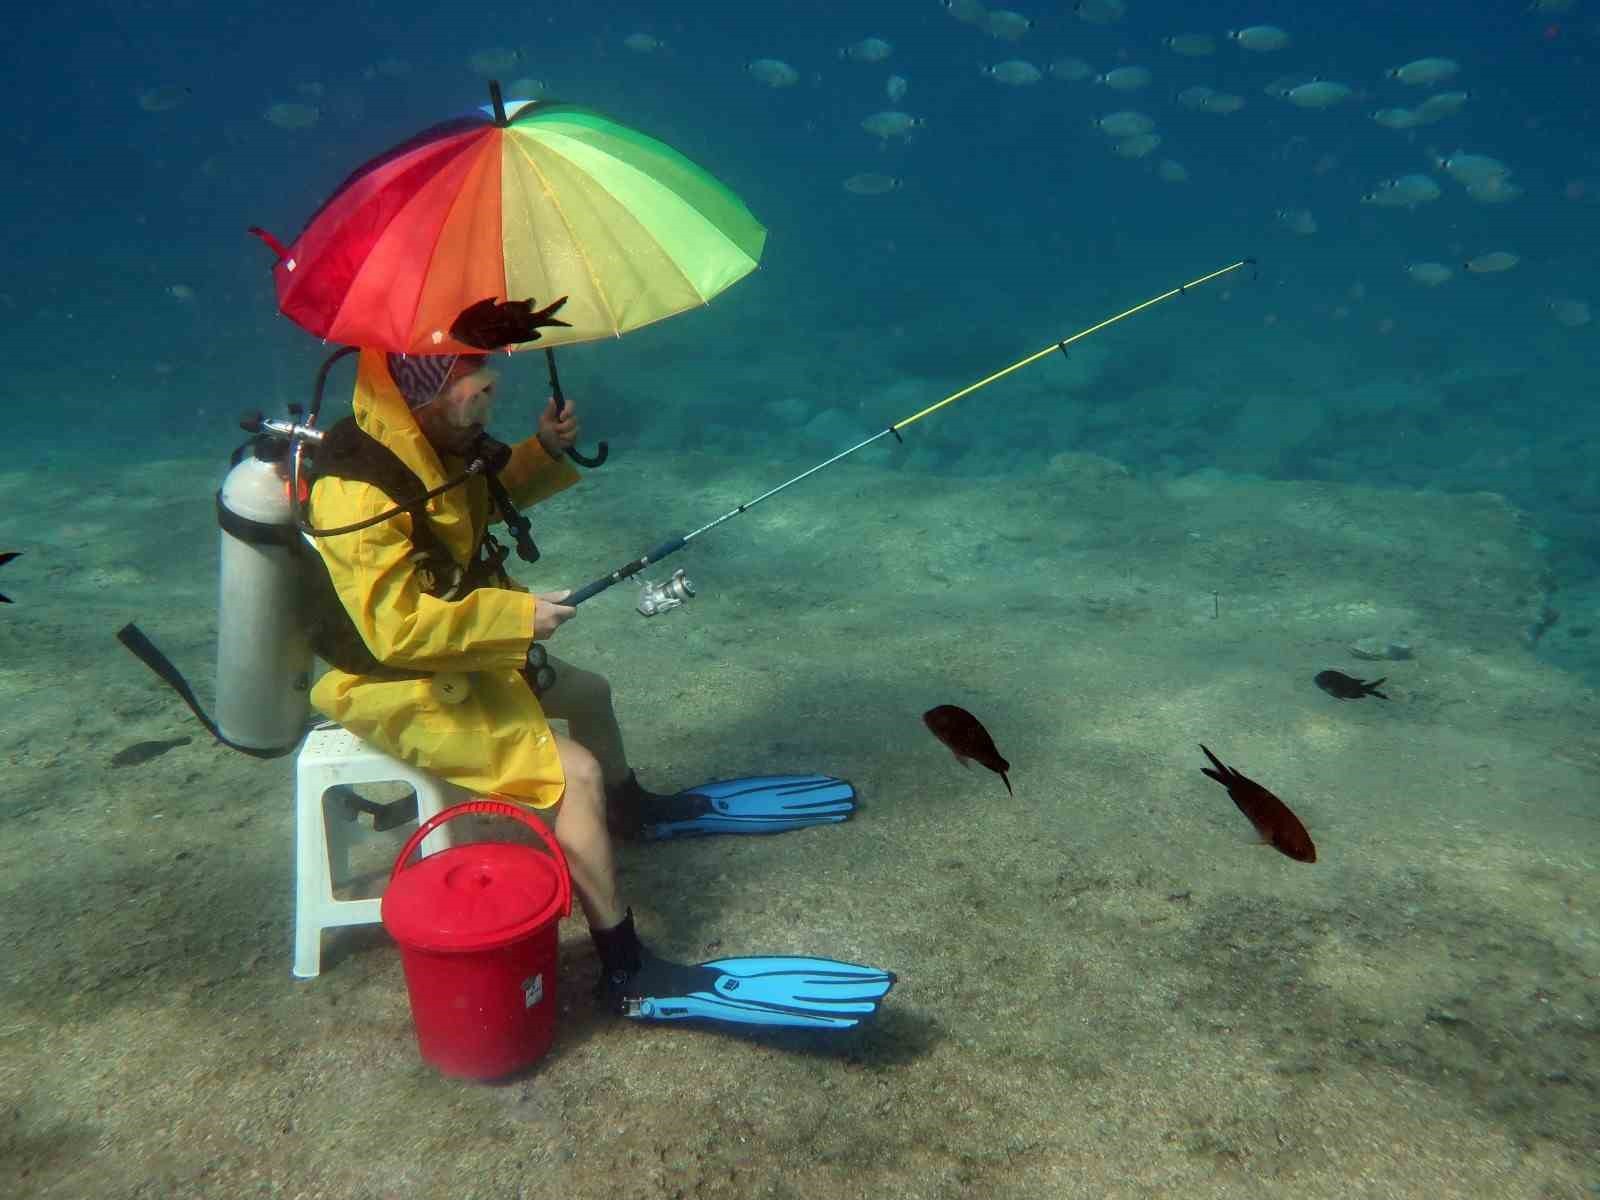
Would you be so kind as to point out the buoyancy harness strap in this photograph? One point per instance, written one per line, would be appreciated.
(349, 452)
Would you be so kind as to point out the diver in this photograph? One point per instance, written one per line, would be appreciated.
(436, 656)
(447, 689)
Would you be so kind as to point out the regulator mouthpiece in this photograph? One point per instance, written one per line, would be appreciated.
(666, 595)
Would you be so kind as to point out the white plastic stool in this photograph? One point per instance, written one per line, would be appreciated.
(325, 831)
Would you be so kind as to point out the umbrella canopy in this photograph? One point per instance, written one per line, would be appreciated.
(551, 200)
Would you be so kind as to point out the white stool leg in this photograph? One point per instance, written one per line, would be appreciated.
(313, 888)
(342, 832)
(433, 797)
(323, 838)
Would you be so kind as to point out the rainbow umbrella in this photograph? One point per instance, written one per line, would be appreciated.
(516, 200)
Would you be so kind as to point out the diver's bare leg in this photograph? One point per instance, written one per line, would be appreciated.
(580, 827)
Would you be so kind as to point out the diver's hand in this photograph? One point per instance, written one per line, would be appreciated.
(549, 614)
(556, 433)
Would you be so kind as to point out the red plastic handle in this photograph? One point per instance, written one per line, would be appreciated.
(493, 808)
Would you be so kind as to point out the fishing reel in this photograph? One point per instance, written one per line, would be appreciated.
(665, 596)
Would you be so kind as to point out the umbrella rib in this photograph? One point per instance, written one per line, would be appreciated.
(555, 202)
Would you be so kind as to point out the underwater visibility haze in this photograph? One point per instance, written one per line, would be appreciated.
(1119, 397)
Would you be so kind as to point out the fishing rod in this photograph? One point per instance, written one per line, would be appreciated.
(675, 590)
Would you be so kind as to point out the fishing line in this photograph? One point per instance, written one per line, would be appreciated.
(661, 597)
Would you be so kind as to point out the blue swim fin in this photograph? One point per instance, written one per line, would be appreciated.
(792, 992)
(761, 804)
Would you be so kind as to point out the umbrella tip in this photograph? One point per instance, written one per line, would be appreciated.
(499, 104)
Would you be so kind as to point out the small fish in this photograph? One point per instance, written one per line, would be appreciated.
(1397, 118)
(1497, 189)
(891, 124)
(1100, 12)
(1260, 38)
(1140, 145)
(1124, 124)
(773, 72)
(143, 752)
(1222, 103)
(1071, 70)
(968, 12)
(1320, 93)
(165, 98)
(1430, 274)
(1271, 817)
(1407, 191)
(4, 559)
(1171, 171)
(643, 43)
(1125, 79)
(1441, 105)
(1006, 25)
(1467, 169)
(1492, 263)
(895, 88)
(1191, 45)
(290, 114)
(1015, 71)
(1297, 220)
(1345, 687)
(1573, 314)
(872, 183)
(869, 50)
(967, 738)
(1424, 71)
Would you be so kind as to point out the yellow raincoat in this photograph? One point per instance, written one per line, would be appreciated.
(477, 723)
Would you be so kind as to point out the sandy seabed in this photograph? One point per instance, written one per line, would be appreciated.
(1107, 987)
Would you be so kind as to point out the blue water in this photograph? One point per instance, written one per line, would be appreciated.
(1016, 224)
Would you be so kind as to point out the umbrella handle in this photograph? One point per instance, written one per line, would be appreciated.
(556, 394)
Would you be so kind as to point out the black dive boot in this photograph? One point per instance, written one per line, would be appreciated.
(629, 808)
(625, 965)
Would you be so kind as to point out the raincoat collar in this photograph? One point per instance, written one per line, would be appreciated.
(381, 411)
(459, 516)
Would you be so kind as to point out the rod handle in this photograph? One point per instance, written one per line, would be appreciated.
(627, 570)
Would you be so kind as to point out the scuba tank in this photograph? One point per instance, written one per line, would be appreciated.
(263, 648)
(264, 656)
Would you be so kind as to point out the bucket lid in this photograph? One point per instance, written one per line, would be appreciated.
(480, 896)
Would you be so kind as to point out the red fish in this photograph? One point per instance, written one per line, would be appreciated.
(1277, 826)
(967, 738)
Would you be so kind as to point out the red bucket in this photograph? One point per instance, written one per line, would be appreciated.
(477, 928)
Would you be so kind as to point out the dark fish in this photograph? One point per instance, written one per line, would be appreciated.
(1345, 687)
(4, 559)
(967, 738)
(143, 752)
(490, 324)
(1273, 821)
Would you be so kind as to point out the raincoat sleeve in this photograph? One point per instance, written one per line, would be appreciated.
(403, 626)
(532, 475)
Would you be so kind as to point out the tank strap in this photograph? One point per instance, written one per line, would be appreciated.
(349, 452)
